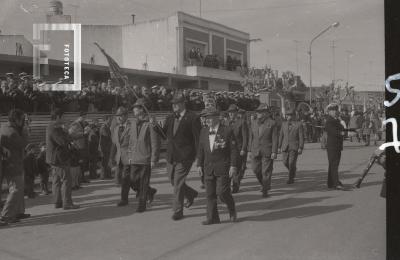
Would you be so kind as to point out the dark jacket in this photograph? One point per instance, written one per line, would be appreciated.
(105, 139)
(218, 161)
(265, 142)
(333, 128)
(15, 141)
(291, 139)
(57, 144)
(182, 146)
(42, 166)
(30, 166)
(93, 144)
(241, 132)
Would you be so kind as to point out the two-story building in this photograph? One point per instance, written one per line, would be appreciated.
(179, 51)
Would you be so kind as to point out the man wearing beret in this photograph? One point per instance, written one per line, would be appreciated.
(334, 145)
(217, 161)
(263, 147)
(181, 129)
(240, 130)
(291, 143)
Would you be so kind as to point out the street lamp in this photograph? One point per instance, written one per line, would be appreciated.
(334, 25)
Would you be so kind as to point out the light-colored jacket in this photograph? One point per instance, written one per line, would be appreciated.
(144, 147)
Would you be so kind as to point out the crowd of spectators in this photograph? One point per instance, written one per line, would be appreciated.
(23, 92)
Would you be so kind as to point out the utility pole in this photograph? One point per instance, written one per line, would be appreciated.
(200, 8)
(297, 57)
(333, 46)
(349, 54)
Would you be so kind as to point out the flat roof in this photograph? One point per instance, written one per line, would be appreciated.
(29, 60)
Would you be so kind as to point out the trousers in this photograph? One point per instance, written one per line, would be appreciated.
(262, 167)
(289, 159)
(177, 173)
(218, 186)
(62, 190)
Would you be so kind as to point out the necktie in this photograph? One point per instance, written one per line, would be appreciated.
(176, 123)
(212, 132)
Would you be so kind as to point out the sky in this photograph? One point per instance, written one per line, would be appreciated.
(282, 25)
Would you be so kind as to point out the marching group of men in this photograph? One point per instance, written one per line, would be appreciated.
(219, 146)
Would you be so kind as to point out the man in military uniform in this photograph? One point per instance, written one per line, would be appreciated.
(240, 130)
(291, 143)
(334, 145)
(263, 147)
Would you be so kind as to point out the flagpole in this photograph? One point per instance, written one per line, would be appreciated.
(125, 80)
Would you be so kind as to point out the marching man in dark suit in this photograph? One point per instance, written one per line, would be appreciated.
(217, 161)
(291, 143)
(240, 130)
(334, 145)
(181, 129)
(263, 147)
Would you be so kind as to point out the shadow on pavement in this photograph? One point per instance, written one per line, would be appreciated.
(302, 212)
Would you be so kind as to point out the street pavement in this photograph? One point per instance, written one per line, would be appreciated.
(303, 221)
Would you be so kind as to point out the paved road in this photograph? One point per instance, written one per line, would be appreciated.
(301, 221)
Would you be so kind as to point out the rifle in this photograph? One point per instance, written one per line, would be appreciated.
(371, 162)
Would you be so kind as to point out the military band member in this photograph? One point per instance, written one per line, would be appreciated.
(181, 129)
(291, 143)
(263, 147)
(217, 161)
(240, 130)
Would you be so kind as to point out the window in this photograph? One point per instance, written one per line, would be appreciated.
(233, 59)
(195, 51)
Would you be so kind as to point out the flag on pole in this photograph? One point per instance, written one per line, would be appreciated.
(116, 73)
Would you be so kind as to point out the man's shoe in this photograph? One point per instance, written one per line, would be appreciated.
(339, 187)
(23, 216)
(177, 216)
(151, 194)
(233, 216)
(290, 181)
(57, 206)
(190, 201)
(3, 223)
(210, 222)
(235, 189)
(265, 194)
(122, 203)
(141, 208)
(9, 220)
(71, 207)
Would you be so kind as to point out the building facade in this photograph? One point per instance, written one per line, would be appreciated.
(180, 45)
